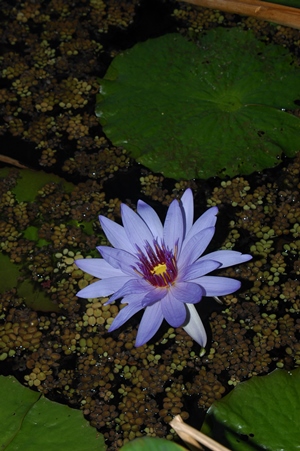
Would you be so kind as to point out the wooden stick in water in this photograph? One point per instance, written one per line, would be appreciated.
(191, 436)
(12, 161)
(280, 14)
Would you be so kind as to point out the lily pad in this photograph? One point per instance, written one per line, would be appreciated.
(34, 298)
(151, 444)
(32, 234)
(216, 107)
(30, 182)
(10, 273)
(262, 413)
(32, 422)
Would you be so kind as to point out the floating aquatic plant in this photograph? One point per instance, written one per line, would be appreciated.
(151, 444)
(30, 421)
(261, 413)
(27, 188)
(160, 268)
(215, 107)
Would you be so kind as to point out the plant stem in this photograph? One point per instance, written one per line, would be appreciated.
(191, 436)
(280, 14)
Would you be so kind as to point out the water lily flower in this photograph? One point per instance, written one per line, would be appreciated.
(160, 268)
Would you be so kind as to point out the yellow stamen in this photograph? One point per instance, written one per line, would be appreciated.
(159, 269)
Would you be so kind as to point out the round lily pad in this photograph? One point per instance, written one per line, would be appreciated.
(195, 110)
(262, 413)
(31, 422)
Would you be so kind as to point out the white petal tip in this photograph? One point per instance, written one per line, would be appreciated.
(218, 300)
(194, 326)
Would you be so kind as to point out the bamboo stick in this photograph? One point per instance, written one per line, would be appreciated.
(12, 161)
(189, 435)
(280, 14)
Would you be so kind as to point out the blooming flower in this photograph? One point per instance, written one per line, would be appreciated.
(160, 268)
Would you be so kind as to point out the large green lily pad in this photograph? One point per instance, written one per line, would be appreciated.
(262, 413)
(199, 110)
(32, 422)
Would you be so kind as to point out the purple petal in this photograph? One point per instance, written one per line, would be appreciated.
(173, 310)
(103, 287)
(218, 286)
(134, 305)
(187, 204)
(192, 249)
(149, 215)
(137, 231)
(154, 295)
(98, 267)
(187, 292)
(116, 234)
(132, 286)
(207, 220)
(194, 326)
(227, 258)
(119, 259)
(198, 269)
(150, 323)
(173, 226)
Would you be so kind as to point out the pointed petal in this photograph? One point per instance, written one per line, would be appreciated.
(149, 215)
(173, 226)
(218, 286)
(134, 306)
(116, 234)
(154, 295)
(98, 267)
(192, 249)
(132, 286)
(150, 323)
(227, 258)
(173, 310)
(102, 288)
(194, 326)
(119, 259)
(198, 269)
(136, 229)
(207, 220)
(187, 292)
(187, 204)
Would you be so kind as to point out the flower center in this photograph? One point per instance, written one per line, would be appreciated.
(159, 269)
(157, 264)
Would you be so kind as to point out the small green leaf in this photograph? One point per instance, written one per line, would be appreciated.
(151, 444)
(36, 298)
(199, 110)
(32, 234)
(9, 273)
(31, 422)
(30, 182)
(262, 413)
(87, 227)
